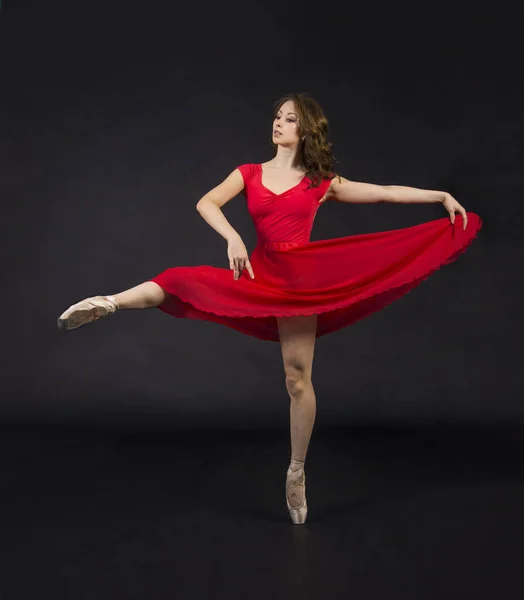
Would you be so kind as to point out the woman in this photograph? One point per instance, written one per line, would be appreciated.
(292, 290)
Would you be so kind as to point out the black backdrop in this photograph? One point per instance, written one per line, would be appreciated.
(116, 117)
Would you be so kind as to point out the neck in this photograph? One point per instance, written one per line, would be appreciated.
(285, 158)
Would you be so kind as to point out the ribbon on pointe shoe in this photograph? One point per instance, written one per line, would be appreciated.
(87, 311)
(295, 485)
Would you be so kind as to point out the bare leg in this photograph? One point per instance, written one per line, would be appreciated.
(297, 339)
(302, 411)
(144, 295)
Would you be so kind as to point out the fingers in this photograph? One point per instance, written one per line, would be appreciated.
(237, 268)
(452, 206)
(239, 265)
(464, 218)
(238, 261)
(464, 214)
(234, 265)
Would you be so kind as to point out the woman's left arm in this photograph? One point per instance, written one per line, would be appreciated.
(344, 190)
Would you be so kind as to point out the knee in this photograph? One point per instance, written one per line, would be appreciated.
(155, 294)
(296, 383)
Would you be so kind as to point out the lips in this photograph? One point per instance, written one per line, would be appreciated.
(277, 132)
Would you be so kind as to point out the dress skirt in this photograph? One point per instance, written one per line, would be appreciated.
(341, 280)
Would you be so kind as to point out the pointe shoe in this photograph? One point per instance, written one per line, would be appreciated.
(87, 311)
(296, 487)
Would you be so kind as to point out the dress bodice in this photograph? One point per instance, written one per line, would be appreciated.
(287, 217)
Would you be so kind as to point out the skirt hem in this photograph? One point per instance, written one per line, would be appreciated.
(283, 313)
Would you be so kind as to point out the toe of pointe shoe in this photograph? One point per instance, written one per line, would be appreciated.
(86, 311)
(298, 514)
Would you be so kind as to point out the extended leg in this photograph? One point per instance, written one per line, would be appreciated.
(144, 295)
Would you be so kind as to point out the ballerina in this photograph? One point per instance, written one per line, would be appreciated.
(291, 290)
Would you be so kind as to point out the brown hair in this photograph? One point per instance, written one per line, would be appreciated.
(314, 152)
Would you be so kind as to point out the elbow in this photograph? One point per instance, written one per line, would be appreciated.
(202, 202)
(389, 194)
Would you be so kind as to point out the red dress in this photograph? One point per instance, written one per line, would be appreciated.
(341, 280)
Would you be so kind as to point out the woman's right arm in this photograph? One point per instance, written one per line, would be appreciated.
(209, 206)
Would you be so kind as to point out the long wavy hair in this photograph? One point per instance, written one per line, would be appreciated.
(314, 151)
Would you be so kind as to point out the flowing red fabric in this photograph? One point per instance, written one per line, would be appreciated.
(341, 280)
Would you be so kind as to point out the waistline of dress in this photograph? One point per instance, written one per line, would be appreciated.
(280, 245)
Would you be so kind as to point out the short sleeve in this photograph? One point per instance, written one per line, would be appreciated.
(327, 184)
(323, 188)
(247, 170)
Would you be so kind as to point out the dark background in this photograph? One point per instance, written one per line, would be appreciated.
(145, 456)
(116, 117)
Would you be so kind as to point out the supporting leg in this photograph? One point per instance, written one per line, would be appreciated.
(297, 339)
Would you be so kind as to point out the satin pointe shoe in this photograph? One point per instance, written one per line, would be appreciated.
(296, 492)
(87, 311)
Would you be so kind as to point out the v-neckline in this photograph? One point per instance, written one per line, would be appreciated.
(261, 172)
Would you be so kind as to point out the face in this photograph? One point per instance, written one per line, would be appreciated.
(285, 125)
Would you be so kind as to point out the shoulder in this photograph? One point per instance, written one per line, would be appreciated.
(330, 185)
(247, 171)
(335, 182)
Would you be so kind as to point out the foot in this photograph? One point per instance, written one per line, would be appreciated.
(296, 492)
(87, 311)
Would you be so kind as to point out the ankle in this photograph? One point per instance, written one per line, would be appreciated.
(113, 300)
(296, 465)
